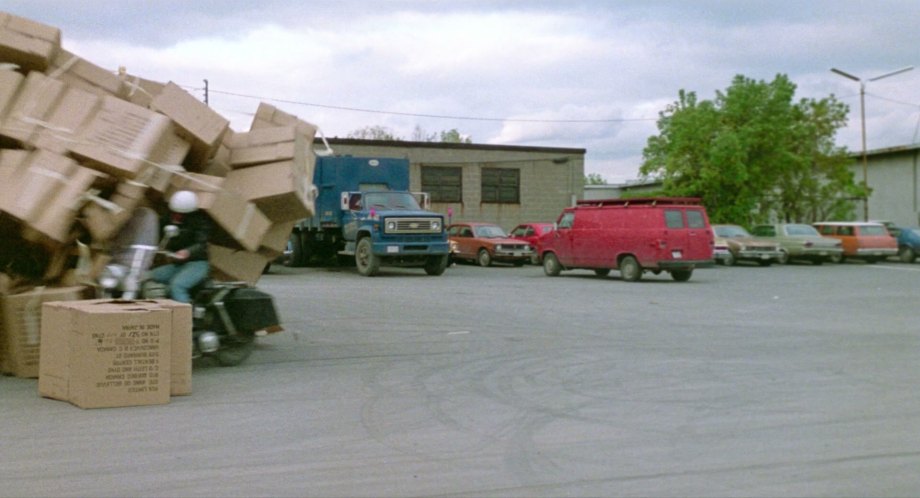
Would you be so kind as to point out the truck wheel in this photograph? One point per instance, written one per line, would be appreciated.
(729, 260)
(436, 265)
(295, 258)
(551, 266)
(907, 255)
(485, 259)
(681, 275)
(367, 262)
(630, 269)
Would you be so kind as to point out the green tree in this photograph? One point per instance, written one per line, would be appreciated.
(454, 136)
(375, 132)
(751, 151)
(595, 179)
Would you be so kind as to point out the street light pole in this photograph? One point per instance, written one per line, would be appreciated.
(862, 114)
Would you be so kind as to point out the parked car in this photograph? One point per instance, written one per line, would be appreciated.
(531, 233)
(720, 251)
(632, 236)
(800, 242)
(868, 241)
(742, 246)
(484, 243)
(908, 244)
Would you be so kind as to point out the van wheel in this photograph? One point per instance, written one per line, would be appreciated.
(630, 269)
(907, 255)
(602, 272)
(367, 262)
(551, 266)
(485, 259)
(681, 275)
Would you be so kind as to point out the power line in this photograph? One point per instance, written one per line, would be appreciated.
(419, 115)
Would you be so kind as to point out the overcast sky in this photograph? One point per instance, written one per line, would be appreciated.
(563, 73)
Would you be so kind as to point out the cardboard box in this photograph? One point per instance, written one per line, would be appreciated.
(37, 97)
(239, 222)
(10, 83)
(65, 121)
(35, 184)
(98, 353)
(236, 265)
(80, 73)
(20, 326)
(282, 190)
(140, 91)
(267, 145)
(219, 165)
(55, 222)
(27, 43)
(196, 122)
(103, 218)
(268, 116)
(275, 241)
(121, 137)
(180, 356)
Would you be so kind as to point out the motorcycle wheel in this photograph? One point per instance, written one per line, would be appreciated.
(231, 355)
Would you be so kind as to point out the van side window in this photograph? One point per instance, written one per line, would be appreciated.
(568, 219)
(695, 219)
(674, 218)
(846, 231)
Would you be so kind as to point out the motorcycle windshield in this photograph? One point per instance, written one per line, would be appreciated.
(136, 244)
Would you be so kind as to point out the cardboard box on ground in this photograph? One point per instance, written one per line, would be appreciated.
(104, 353)
(82, 147)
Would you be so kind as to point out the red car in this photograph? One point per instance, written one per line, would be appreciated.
(531, 233)
(485, 243)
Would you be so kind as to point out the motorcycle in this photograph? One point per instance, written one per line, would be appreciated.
(226, 316)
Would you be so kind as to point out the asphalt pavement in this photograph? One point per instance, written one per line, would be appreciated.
(792, 380)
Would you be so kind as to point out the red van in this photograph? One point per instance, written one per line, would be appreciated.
(630, 235)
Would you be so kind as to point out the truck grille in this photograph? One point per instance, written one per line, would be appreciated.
(412, 225)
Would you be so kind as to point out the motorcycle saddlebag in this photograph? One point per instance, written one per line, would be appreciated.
(252, 310)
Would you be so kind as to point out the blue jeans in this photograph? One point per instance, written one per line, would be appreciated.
(181, 278)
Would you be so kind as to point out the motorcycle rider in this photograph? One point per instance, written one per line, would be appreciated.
(189, 247)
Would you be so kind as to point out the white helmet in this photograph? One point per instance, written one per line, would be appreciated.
(183, 201)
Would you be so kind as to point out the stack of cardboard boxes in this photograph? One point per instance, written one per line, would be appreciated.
(82, 147)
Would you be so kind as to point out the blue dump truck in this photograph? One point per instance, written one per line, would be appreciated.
(366, 214)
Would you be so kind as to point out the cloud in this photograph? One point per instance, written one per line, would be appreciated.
(483, 67)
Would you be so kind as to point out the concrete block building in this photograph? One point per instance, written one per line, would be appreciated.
(501, 184)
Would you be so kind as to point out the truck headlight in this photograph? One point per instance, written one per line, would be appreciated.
(391, 226)
(436, 225)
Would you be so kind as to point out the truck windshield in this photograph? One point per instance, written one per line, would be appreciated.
(391, 200)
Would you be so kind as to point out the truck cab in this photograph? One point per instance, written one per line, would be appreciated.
(365, 213)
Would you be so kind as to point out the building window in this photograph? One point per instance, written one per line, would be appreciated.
(501, 185)
(444, 184)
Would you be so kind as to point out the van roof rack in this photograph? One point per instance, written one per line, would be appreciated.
(642, 201)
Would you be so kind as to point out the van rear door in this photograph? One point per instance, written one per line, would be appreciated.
(699, 236)
(677, 238)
